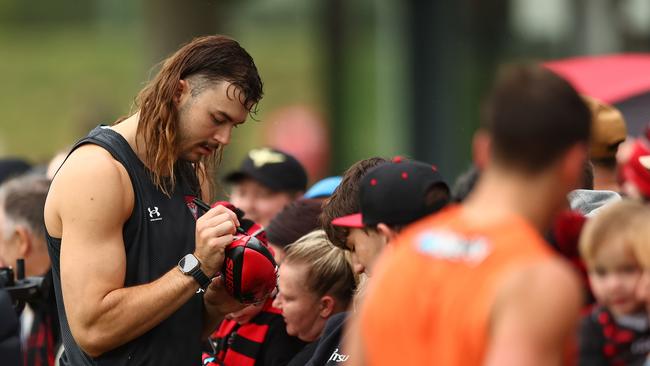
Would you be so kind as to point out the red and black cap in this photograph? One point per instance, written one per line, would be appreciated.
(249, 270)
(394, 193)
(272, 168)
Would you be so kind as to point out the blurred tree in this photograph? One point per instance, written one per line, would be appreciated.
(170, 23)
(455, 46)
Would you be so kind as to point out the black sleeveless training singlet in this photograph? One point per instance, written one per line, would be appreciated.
(159, 232)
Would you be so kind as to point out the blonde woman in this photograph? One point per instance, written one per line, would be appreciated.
(316, 281)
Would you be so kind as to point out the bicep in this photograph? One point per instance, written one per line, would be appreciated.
(92, 204)
(534, 320)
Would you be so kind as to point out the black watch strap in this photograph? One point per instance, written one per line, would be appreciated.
(200, 277)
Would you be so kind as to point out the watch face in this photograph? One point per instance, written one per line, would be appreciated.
(188, 263)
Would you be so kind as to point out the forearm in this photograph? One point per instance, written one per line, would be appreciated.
(212, 316)
(217, 304)
(126, 313)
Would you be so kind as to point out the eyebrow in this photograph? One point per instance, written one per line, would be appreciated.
(228, 117)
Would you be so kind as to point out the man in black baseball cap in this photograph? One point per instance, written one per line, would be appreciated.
(392, 195)
(266, 181)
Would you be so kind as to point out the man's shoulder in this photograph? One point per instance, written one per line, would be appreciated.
(545, 285)
(90, 173)
(90, 161)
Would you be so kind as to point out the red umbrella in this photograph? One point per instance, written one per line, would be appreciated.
(622, 80)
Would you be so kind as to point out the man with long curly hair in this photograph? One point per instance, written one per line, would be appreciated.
(131, 259)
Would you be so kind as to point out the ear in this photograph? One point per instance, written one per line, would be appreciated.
(386, 232)
(481, 145)
(326, 308)
(182, 89)
(25, 245)
(572, 165)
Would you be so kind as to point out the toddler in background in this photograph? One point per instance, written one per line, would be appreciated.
(615, 331)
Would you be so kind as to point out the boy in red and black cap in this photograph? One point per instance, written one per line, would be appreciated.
(391, 195)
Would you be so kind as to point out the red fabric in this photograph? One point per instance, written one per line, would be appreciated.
(634, 172)
(610, 78)
(255, 334)
(251, 331)
(566, 230)
(38, 341)
(234, 358)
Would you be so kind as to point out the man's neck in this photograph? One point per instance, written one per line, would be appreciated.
(500, 194)
(128, 128)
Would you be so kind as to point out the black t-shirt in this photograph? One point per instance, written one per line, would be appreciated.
(159, 232)
(303, 356)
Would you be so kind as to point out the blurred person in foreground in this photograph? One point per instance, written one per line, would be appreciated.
(22, 236)
(132, 262)
(267, 180)
(315, 282)
(476, 284)
(616, 330)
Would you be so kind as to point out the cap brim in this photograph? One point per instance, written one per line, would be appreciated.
(354, 220)
(323, 188)
(236, 176)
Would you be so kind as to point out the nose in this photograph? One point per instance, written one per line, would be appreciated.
(277, 303)
(357, 267)
(613, 282)
(223, 134)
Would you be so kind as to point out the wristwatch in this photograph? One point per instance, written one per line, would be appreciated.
(190, 266)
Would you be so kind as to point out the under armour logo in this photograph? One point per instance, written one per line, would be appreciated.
(154, 214)
(265, 156)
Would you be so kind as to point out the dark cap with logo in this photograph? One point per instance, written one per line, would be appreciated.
(395, 193)
(272, 168)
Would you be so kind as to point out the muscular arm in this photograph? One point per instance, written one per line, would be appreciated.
(535, 317)
(89, 202)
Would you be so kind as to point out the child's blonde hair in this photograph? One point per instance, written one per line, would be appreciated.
(626, 221)
(329, 268)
